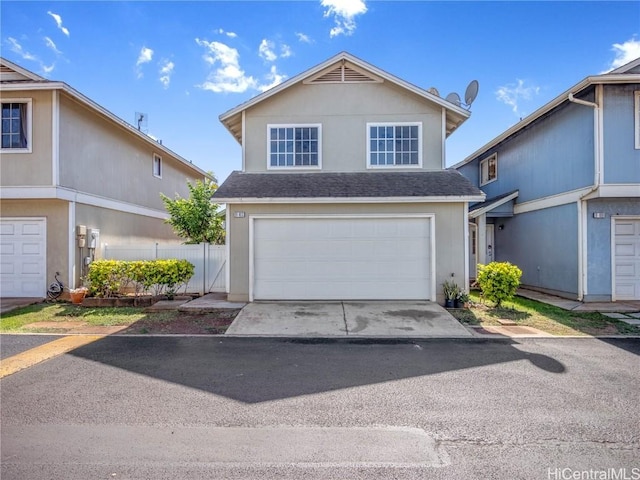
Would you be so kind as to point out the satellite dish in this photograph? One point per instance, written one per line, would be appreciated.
(471, 93)
(454, 98)
(434, 91)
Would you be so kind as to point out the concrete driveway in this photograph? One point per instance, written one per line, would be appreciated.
(331, 319)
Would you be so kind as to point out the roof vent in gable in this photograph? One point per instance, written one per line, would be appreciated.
(344, 73)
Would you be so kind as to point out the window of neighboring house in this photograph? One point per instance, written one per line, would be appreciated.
(637, 120)
(157, 166)
(489, 169)
(294, 146)
(16, 125)
(394, 145)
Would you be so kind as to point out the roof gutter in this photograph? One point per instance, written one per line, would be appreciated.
(598, 155)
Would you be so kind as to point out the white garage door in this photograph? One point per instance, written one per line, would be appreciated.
(23, 245)
(341, 258)
(627, 259)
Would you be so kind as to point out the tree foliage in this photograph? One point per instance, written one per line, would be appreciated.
(196, 218)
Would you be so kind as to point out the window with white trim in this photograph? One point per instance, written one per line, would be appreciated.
(16, 125)
(637, 119)
(294, 146)
(394, 145)
(489, 169)
(157, 166)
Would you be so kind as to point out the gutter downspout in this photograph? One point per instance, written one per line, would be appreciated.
(582, 203)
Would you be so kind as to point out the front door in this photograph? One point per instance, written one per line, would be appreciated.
(473, 248)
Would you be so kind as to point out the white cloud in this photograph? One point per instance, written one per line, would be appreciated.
(344, 13)
(228, 34)
(226, 74)
(17, 48)
(274, 78)
(624, 53)
(49, 43)
(514, 93)
(266, 50)
(58, 20)
(146, 54)
(303, 38)
(166, 70)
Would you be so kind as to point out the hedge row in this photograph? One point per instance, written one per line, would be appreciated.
(108, 278)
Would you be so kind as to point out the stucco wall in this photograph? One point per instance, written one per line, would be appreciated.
(101, 158)
(544, 245)
(449, 236)
(35, 168)
(621, 158)
(57, 214)
(343, 110)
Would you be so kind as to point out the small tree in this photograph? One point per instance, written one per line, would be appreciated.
(499, 281)
(196, 218)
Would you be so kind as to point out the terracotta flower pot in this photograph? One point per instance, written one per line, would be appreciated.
(77, 297)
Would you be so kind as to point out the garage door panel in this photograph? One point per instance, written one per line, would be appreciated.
(627, 259)
(341, 258)
(23, 257)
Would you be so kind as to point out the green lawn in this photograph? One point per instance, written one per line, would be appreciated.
(542, 316)
(14, 321)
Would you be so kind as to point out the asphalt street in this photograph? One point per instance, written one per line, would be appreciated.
(215, 407)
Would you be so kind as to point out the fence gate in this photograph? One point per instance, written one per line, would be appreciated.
(209, 261)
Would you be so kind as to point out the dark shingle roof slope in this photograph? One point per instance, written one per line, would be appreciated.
(344, 185)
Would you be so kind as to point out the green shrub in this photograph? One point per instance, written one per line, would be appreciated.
(498, 281)
(112, 277)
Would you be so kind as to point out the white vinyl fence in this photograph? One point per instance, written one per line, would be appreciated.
(209, 261)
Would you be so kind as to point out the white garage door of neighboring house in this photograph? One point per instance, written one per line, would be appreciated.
(627, 259)
(339, 258)
(23, 265)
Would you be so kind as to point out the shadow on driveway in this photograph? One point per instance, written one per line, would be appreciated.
(261, 370)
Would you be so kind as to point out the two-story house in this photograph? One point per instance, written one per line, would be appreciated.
(343, 192)
(68, 163)
(563, 192)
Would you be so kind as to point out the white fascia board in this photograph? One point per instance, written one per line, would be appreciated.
(442, 199)
(563, 97)
(20, 70)
(103, 111)
(551, 201)
(616, 191)
(492, 205)
(66, 194)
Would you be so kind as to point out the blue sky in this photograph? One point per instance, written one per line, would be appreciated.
(185, 63)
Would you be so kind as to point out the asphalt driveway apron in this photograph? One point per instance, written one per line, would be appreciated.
(335, 319)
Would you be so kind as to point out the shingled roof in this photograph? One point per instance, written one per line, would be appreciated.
(444, 183)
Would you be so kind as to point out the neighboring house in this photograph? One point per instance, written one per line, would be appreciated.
(563, 192)
(68, 162)
(343, 192)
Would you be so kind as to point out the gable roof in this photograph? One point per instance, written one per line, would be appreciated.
(441, 185)
(16, 78)
(623, 74)
(332, 71)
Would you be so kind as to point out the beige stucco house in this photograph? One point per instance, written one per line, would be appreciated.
(68, 162)
(343, 192)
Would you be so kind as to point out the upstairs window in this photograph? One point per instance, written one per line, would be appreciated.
(16, 125)
(637, 119)
(157, 166)
(394, 145)
(294, 146)
(489, 169)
